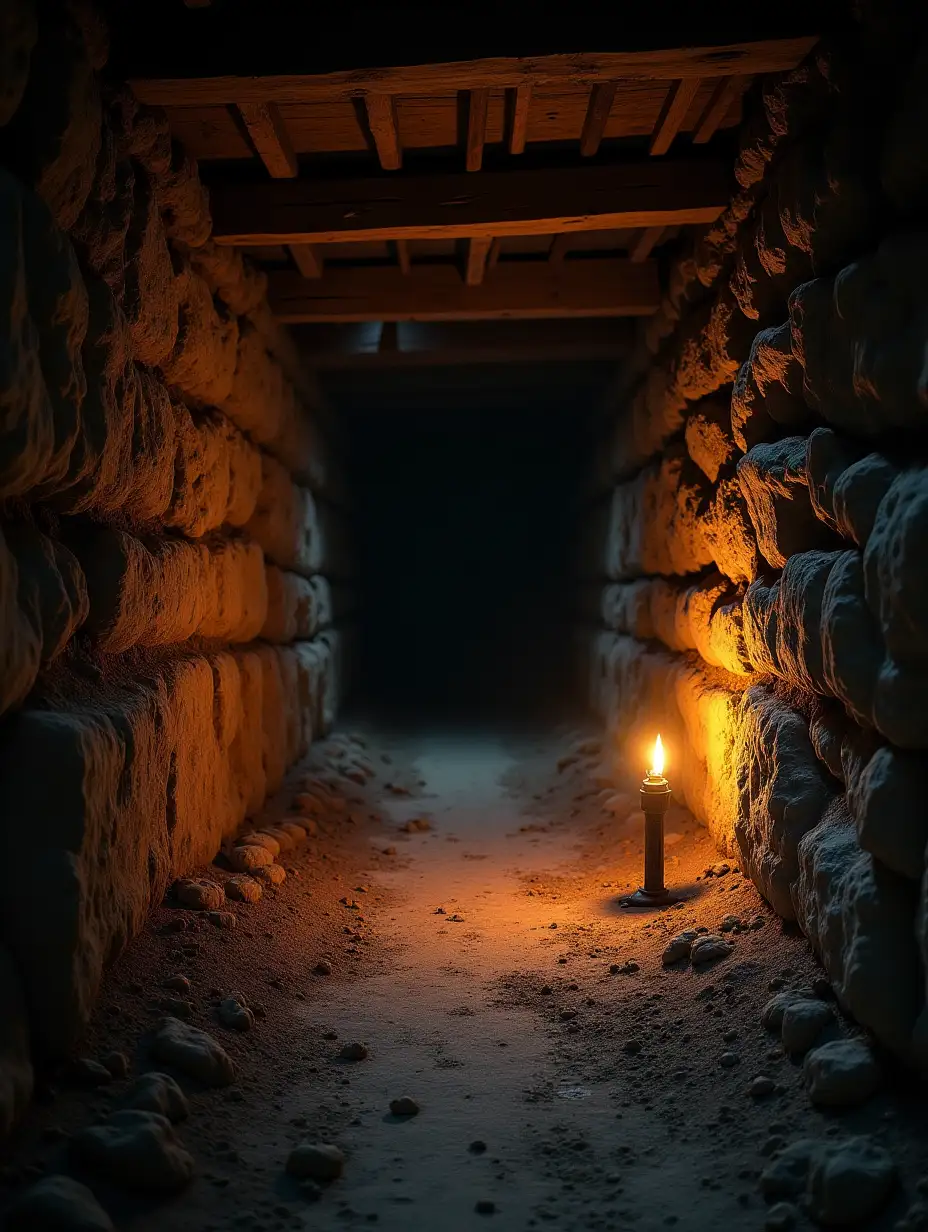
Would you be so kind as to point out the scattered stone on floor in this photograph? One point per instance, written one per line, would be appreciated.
(316, 1161)
(354, 1051)
(708, 949)
(57, 1204)
(246, 858)
(679, 947)
(802, 1024)
(841, 1073)
(241, 888)
(156, 1092)
(235, 1014)
(199, 894)
(405, 1106)
(839, 1182)
(136, 1149)
(193, 1052)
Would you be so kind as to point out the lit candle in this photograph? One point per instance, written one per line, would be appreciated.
(655, 799)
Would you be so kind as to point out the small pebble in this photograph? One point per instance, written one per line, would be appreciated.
(354, 1051)
(404, 1106)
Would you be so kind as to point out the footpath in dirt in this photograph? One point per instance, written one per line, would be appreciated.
(443, 1018)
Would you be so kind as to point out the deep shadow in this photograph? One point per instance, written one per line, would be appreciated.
(466, 537)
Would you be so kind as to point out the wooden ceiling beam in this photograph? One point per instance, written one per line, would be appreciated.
(723, 97)
(673, 113)
(381, 117)
(462, 206)
(270, 138)
(641, 248)
(519, 125)
(478, 104)
(478, 251)
(500, 72)
(522, 289)
(597, 114)
(402, 256)
(308, 259)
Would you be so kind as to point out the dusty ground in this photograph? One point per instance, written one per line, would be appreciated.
(482, 962)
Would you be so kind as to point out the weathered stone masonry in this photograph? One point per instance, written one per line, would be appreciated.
(764, 524)
(173, 563)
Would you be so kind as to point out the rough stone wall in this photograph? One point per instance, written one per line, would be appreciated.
(758, 579)
(172, 551)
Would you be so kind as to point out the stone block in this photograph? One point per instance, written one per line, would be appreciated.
(886, 799)
(285, 521)
(244, 477)
(202, 364)
(292, 607)
(43, 601)
(182, 198)
(52, 140)
(240, 285)
(783, 793)
(860, 918)
(99, 231)
(260, 398)
(27, 429)
(775, 489)
(852, 647)
(163, 591)
(727, 529)
(767, 394)
(151, 294)
(203, 473)
(708, 436)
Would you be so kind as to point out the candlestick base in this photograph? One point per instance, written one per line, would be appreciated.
(649, 898)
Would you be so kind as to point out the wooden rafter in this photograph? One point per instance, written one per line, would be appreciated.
(381, 116)
(402, 256)
(723, 96)
(520, 107)
(308, 259)
(597, 114)
(461, 206)
(589, 288)
(673, 113)
(559, 248)
(270, 138)
(644, 243)
(478, 251)
(477, 106)
(575, 68)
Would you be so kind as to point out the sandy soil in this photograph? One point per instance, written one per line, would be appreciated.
(483, 964)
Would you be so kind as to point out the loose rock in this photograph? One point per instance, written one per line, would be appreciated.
(270, 874)
(117, 1063)
(198, 894)
(260, 838)
(404, 1106)
(243, 889)
(193, 1052)
(802, 1024)
(850, 1181)
(781, 1217)
(233, 1013)
(154, 1092)
(178, 983)
(247, 858)
(841, 1073)
(137, 1149)
(709, 948)
(222, 919)
(679, 948)
(354, 1051)
(316, 1161)
(57, 1204)
(90, 1073)
(761, 1086)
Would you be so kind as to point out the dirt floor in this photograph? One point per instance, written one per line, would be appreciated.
(564, 1076)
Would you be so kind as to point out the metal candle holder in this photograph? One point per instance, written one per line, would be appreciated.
(655, 800)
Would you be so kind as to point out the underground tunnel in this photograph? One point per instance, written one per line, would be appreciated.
(463, 621)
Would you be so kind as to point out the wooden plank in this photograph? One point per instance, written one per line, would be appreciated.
(673, 113)
(641, 248)
(402, 255)
(308, 260)
(591, 288)
(478, 250)
(723, 96)
(498, 72)
(270, 138)
(460, 206)
(493, 256)
(601, 97)
(520, 109)
(381, 116)
(477, 104)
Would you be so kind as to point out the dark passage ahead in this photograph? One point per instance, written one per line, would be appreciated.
(466, 528)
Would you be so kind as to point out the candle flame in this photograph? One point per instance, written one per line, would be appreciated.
(657, 758)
